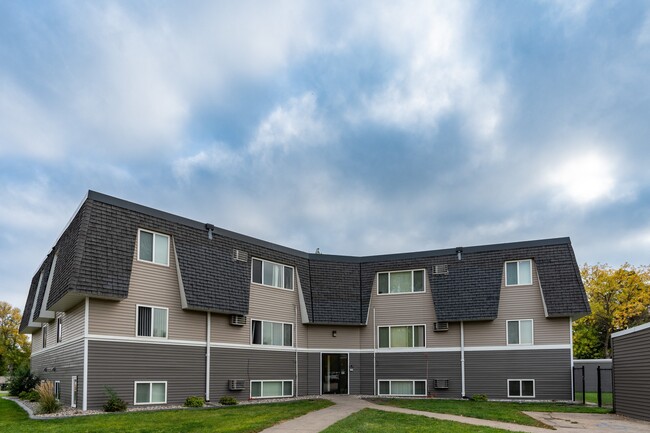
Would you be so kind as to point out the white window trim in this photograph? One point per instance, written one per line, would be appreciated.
(57, 389)
(403, 380)
(44, 331)
(250, 388)
(412, 271)
(390, 342)
(532, 331)
(59, 329)
(137, 313)
(150, 382)
(520, 388)
(74, 396)
(505, 272)
(293, 337)
(153, 246)
(293, 273)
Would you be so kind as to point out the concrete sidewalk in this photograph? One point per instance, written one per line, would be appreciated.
(346, 405)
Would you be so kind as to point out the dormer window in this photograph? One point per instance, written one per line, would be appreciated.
(272, 274)
(153, 247)
(400, 282)
(519, 273)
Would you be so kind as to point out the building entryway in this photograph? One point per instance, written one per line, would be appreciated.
(334, 373)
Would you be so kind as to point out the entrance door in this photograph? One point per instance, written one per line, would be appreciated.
(335, 373)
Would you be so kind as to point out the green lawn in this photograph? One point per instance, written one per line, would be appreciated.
(497, 411)
(234, 419)
(592, 397)
(376, 421)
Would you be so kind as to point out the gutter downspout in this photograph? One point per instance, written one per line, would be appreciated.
(374, 352)
(207, 358)
(295, 343)
(84, 405)
(573, 391)
(462, 359)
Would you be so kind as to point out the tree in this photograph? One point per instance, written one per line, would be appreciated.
(619, 299)
(15, 348)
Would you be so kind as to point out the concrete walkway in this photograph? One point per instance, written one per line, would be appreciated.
(346, 405)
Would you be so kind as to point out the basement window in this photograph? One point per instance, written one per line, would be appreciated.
(521, 388)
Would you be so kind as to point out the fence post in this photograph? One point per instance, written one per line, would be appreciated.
(600, 390)
(584, 391)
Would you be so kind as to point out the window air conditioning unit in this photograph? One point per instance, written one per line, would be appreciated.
(239, 256)
(236, 384)
(440, 270)
(440, 326)
(237, 320)
(441, 383)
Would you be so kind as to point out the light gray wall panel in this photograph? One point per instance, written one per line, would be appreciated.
(119, 365)
(591, 374)
(632, 374)
(487, 372)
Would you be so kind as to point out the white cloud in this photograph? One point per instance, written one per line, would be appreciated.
(294, 124)
(214, 158)
(572, 10)
(441, 71)
(643, 37)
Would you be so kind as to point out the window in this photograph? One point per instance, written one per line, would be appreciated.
(401, 336)
(519, 273)
(57, 390)
(271, 388)
(400, 282)
(153, 247)
(272, 274)
(520, 331)
(44, 331)
(74, 391)
(402, 387)
(150, 393)
(59, 330)
(271, 333)
(521, 388)
(151, 321)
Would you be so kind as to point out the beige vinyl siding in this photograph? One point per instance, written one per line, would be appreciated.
(37, 341)
(73, 322)
(320, 337)
(519, 302)
(150, 285)
(407, 309)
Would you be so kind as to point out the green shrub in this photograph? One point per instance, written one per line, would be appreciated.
(194, 401)
(114, 403)
(29, 395)
(479, 397)
(21, 380)
(47, 402)
(228, 401)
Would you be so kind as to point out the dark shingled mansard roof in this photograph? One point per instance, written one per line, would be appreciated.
(95, 255)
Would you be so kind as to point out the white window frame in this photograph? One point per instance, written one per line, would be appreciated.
(250, 387)
(505, 272)
(293, 274)
(520, 388)
(59, 329)
(57, 389)
(153, 247)
(390, 342)
(412, 271)
(137, 314)
(293, 337)
(74, 391)
(150, 382)
(44, 331)
(390, 381)
(532, 331)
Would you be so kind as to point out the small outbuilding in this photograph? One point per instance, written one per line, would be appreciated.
(631, 372)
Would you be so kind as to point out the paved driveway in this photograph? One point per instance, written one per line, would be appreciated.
(591, 422)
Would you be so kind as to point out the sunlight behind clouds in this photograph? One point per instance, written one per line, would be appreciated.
(585, 179)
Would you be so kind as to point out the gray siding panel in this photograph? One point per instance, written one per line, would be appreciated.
(488, 372)
(632, 374)
(248, 364)
(309, 373)
(591, 374)
(366, 362)
(421, 365)
(119, 365)
(67, 359)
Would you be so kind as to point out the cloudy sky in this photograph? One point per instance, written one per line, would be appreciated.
(373, 128)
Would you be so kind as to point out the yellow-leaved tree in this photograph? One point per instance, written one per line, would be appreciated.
(15, 348)
(619, 299)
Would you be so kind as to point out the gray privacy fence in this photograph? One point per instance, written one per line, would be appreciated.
(591, 374)
(631, 372)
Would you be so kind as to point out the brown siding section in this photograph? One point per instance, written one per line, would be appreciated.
(632, 374)
(67, 360)
(320, 337)
(151, 285)
(519, 302)
(487, 372)
(119, 365)
(248, 364)
(73, 322)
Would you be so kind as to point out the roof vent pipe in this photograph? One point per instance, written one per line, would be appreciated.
(209, 228)
(459, 253)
